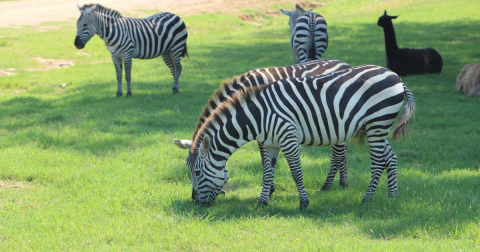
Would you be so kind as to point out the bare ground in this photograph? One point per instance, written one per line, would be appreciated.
(34, 12)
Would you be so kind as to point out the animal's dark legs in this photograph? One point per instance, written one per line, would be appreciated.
(118, 69)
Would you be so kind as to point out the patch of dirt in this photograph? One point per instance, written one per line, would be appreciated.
(7, 72)
(5, 184)
(51, 64)
(310, 5)
(14, 13)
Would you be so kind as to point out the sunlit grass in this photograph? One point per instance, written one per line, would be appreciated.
(83, 170)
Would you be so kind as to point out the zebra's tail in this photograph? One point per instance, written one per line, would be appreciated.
(408, 111)
(184, 53)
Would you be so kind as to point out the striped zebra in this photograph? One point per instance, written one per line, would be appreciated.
(126, 38)
(257, 78)
(318, 110)
(309, 38)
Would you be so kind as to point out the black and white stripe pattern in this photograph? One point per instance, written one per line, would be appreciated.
(319, 110)
(162, 34)
(309, 38)
(257, 78)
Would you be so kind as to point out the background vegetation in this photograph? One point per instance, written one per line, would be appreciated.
(83, 170)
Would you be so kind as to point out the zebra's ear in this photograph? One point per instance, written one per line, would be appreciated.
(299, 9)
(205, 145)
(286, 12)
(183, 144)
(394, 17)
(91, 9)
(79, 8)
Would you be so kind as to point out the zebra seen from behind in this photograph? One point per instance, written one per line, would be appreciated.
(260, 77)
(162, 34)
(319, 110)
(309, 38)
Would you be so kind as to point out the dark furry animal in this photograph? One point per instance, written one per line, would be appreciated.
(406, 61)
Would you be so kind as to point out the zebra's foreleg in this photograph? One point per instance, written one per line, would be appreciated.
(118, 69)
(391, 167)
(377, 147)
(338, 161)
(269, 160)
(289, 148)
(127, 61)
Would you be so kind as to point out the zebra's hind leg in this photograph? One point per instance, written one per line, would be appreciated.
(118, 69)
(377, 148)
(173, 62)
(127, 62)
(289, 148)
(391, 167)
(269, 160)
(338, 162)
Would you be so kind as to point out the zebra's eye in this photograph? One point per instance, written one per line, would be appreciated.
(197, 173)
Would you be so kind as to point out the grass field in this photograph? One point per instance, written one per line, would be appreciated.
(83, 170)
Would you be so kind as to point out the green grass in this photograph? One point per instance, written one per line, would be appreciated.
(83, 170)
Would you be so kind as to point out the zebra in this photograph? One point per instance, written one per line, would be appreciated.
(257, 78)
(309, 38)
(126, 38)
(320, 110)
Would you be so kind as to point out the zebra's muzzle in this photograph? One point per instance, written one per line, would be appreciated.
(78, 43)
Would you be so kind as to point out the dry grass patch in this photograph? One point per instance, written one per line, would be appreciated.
(51, 64)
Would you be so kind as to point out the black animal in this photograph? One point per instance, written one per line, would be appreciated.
(406, 61)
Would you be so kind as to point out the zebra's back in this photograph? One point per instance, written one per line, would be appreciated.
(331, 108)
(155, 35)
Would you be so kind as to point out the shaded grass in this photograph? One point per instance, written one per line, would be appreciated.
(101, 173)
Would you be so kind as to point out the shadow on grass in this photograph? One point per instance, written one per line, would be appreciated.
(410, 214)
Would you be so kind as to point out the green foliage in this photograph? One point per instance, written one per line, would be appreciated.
(83, 170)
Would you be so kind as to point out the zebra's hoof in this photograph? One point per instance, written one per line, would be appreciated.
(261, 204)
(325, 187)
(119, 94)
(222, 192)
(175, 90)
(344, 185)
(304, 205)
(365, 200)
(129, 94)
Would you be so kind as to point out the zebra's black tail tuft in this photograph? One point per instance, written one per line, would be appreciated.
(184, 53)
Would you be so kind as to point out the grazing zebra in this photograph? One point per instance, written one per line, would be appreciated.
(257, 78)
(318, 110)
(309, 38)
(126, 38)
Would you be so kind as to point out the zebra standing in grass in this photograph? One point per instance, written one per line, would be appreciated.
(318, 110)
(126, 38)
(309, 38)
(257, 78)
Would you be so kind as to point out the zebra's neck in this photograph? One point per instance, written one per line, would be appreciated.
(229, 128)
(390, 40)
(103, 24)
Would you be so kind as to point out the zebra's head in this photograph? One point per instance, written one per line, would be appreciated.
(294, 15)
(85, 25)
(194, 172)
(208, 179)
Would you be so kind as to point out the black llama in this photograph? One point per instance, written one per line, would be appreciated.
(406, 61)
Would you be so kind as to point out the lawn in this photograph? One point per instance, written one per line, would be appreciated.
(83, 170)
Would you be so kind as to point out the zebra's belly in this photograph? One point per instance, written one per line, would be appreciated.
(322, 137)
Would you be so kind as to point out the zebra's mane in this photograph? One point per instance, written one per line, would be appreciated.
(216, 98)
(237, 100)
(104, 10)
